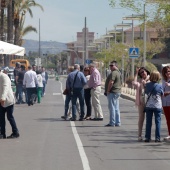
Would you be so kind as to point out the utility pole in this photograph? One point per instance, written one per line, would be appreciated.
(85, 43)
(39, 55)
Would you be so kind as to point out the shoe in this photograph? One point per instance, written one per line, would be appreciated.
(109, 125)
(94, 119)
(72, 119)
(63, 117)
(140, 139)
(167, 138)
(87, 118)
(23, 102)
(100, 119)
(13, 135)
(158, 140)
(118, 125)
(147, 140)
(17, 103)
(81, 119)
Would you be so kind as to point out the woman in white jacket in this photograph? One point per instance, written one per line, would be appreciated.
(40, 85)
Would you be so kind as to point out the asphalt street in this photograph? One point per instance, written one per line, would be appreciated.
(49, 143)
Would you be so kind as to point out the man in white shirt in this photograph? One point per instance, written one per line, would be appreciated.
(7, 101)
(30, 81)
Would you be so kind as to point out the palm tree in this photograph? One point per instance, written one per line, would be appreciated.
(20, 9)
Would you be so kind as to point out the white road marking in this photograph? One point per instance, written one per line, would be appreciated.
(82, 153)
(54, 94)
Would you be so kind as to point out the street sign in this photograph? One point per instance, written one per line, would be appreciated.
(133, 52)
(88, 61)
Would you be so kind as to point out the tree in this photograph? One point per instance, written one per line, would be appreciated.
(20, 9)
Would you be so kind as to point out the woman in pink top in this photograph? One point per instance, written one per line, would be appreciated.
(143, 74)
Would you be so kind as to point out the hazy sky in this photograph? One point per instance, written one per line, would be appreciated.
(62, 19)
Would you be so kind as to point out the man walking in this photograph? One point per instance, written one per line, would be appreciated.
(75, 83)
(95, 84)
(113, 91)
(30, 81)
(7, 101)
(19, 82)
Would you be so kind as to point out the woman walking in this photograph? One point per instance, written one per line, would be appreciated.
(139, 85)
(153, 103)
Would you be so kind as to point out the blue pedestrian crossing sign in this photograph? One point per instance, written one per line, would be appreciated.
(133, 52)
(88, 61)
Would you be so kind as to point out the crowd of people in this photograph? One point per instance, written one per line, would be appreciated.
(32, 83)
(152, 97)
(83, 86)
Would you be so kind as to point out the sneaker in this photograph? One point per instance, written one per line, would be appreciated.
(63, 117)
(13, 135)
(140, 139)
(81, 119)
(108, 125)
(158, 140)
(167, 138)
(72, 119)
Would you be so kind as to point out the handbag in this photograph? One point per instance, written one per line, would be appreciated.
(66, 91)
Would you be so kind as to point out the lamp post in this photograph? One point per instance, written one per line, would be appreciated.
(123, 25)
(133, 17)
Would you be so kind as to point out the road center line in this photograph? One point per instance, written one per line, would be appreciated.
(82, 153)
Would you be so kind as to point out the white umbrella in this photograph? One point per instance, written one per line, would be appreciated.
(7, 48)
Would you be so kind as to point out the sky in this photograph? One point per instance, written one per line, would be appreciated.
(62, 19)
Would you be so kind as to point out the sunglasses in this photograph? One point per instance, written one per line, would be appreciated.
(141, 72)
(111, 65)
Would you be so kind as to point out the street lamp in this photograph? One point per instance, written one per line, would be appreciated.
(133, 17)
(123, 25)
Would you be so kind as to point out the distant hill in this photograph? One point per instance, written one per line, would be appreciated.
(47, 47)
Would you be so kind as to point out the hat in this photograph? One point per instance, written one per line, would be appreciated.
(6, 69)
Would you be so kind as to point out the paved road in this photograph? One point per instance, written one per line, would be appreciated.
(49, 143)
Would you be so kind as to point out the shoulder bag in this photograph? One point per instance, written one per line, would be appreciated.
(148, 96)
(71, 90)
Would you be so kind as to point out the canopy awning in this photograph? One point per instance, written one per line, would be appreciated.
(10, 49)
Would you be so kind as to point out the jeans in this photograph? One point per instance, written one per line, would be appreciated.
(20, 92)
(87, 96)
(78, 93)
(113, 105)
(9, 110)
(43, 90)
(67, 101)
(30, 91)
(149, 115)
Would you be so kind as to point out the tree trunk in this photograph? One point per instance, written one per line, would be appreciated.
(2, 24)
(10, 22)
